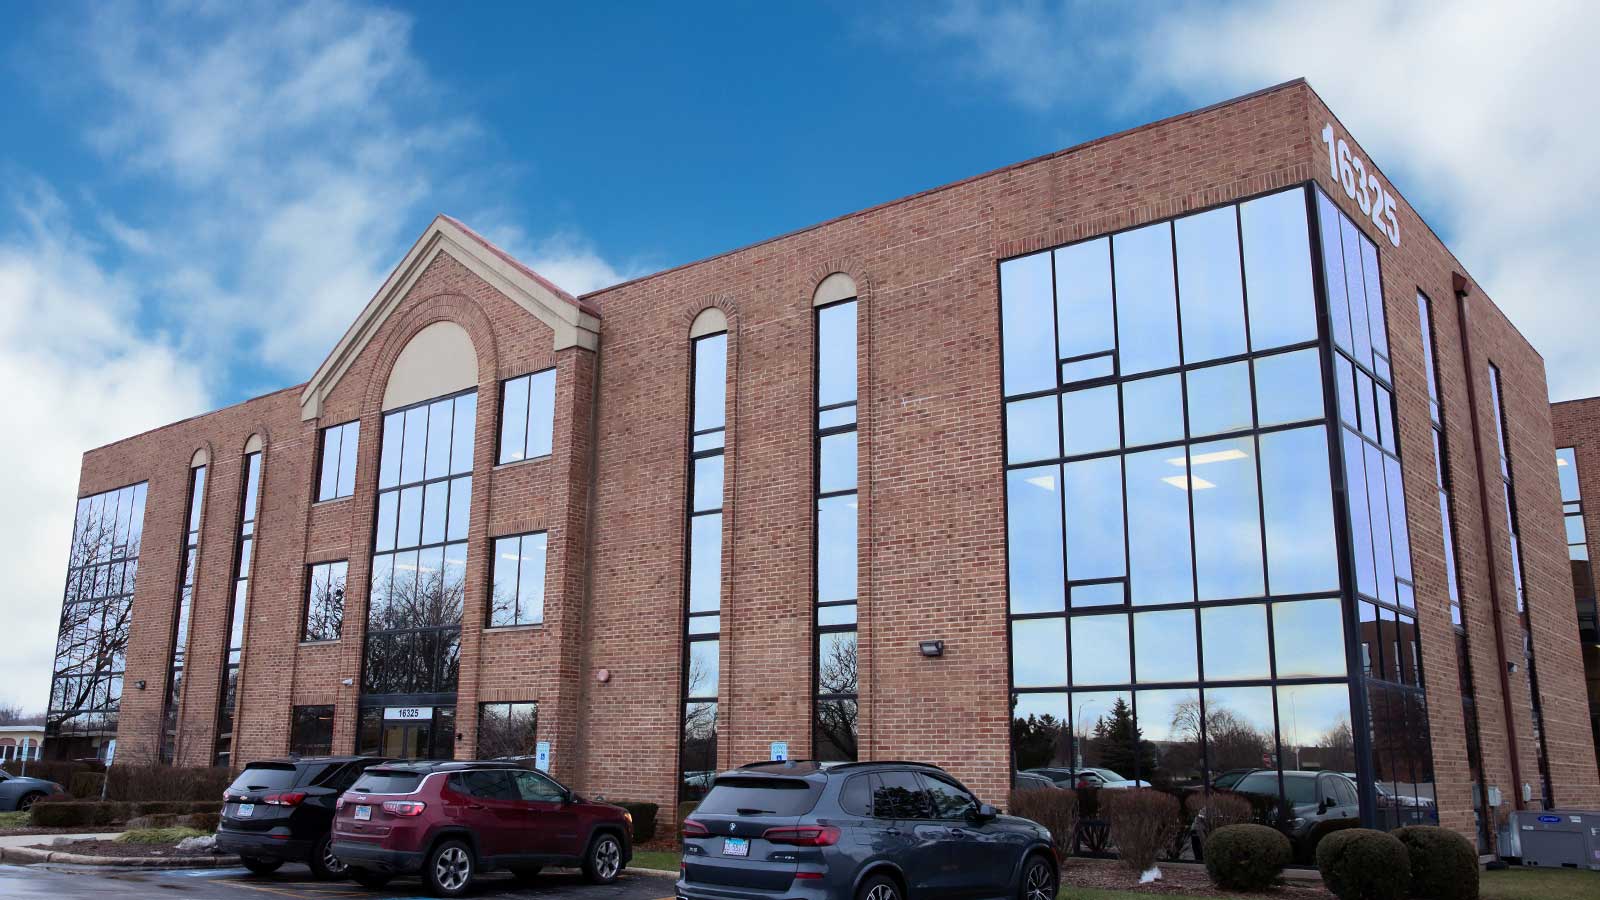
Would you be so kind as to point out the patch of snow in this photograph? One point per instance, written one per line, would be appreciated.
(205, 843)
(1151, 874)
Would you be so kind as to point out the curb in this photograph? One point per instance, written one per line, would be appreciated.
(653, 873)
(33, 855)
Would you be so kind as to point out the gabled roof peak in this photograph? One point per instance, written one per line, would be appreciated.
(574, 322)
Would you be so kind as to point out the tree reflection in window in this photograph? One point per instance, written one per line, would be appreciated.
(507, 729)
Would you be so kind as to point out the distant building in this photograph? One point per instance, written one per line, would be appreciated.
(21, 742)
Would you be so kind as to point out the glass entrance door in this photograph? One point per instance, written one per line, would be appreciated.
(431, 736)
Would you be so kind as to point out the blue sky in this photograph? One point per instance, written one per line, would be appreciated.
(196, 198)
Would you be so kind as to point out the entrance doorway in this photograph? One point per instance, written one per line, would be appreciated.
(408, 732)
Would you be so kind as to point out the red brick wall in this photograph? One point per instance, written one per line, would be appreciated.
(931, 484)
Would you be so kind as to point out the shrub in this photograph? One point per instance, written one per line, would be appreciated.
(166, 782)
(201, 821)
(644, 818)
(75, 813)
(1245, 857)
(1142, 821)
(59, 771)
(86, 785)
(1444, 865)
(1362, 864)
(1219, 809)
(1055, 810)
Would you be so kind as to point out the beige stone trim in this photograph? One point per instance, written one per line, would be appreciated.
(201, 457)
(572, 326)
(835, 287)
(438, 360)
(710, 321)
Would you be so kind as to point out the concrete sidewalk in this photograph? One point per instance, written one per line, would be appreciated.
(29, 840)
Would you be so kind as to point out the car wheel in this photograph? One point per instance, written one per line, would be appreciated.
(1038, 880)
(526, 873)
(879, 887)
(603, 863)
(449, 869)
(261, 866)
(325, 866)
(27, 800)
(370, 879)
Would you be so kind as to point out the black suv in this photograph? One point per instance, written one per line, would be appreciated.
(869, 831)
(281, 810)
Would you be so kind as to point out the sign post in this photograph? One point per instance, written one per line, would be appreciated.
(25, 757)
(111, 753)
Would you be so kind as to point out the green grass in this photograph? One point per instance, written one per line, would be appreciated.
(160, 835)
(1539, 884)
(662, 860)
(14, 820)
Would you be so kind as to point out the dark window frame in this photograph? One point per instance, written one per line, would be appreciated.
(500, 447)
(312, 571)
(494, 548)
(696, 707)
(842, 700)
(342, 431)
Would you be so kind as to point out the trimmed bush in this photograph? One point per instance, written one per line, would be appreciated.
(168, 835)
(86, 785)
(1362, 864)
(1055, 810)
(76, 813)
(59, 771)
(644, 818)
(1444, 865)
(1246, 857)
(166, 782)
(1142, 822)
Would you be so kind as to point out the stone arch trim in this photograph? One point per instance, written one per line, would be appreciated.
(443, 307)
(692, 310)
(842, 265)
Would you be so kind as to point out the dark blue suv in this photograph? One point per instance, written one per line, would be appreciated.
(858, 831)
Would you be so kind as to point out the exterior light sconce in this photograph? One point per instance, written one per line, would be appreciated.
(139, 684)
(603, 676)
(348, 682)
(931, 649)
(1511, 668)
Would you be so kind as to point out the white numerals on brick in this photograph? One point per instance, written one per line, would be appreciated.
(1364, 187)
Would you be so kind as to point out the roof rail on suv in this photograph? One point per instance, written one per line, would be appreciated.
(887, 762)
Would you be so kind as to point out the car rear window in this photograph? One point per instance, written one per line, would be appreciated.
(265, 778)
(736, 795)
(384, 781)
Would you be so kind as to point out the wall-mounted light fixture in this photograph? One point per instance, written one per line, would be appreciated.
(348, 682)
(139, 684)
(1511, 668)
(931, 649)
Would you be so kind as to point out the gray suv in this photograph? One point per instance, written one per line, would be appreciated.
(858, 831)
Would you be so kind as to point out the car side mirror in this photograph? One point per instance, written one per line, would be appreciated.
(985, 812)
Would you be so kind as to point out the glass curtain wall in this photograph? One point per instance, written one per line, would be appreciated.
(1441, 477)
(1380, 544)
(1173, 564)
(834, 723)
(96, 608)
(1582, 578)
(229, 702)
(1508, 483)
(419, 564)
(703, 605)
(173, 697)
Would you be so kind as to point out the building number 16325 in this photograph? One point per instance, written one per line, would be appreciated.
(1362, 186)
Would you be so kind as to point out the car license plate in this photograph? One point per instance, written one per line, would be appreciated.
(363, 813)
(735, 846)
(246, 810)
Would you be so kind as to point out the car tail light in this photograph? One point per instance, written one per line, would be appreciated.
(404, 807)
(287, 798)
(807, 876)
(803, 835)
(338, 805)
(691, 828)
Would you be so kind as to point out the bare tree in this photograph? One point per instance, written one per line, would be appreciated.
(92, 640)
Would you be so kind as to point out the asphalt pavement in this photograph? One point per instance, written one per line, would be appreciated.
(92, 883)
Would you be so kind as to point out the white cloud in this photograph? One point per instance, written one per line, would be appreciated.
(1479, 111)
(77, 376)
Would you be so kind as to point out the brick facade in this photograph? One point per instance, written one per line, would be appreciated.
(1577, 425)
(932, 545)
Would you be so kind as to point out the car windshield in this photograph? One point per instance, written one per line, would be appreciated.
(734, 796)
(265, 778)
(387, 781)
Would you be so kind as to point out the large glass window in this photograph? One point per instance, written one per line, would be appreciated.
(311, 731)
(1172, 555)
(172, 698)
(516, 596)
(1572, 518)
(507, 729)
(702, 630)
(420, 550)
(336, 475)
(325, 601)
(237, 610)
(92, 642)
(527, 416)
(835, 720)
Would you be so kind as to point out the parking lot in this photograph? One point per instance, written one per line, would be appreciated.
(64, 883)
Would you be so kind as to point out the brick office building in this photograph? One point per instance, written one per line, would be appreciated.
(1577, 434)
(1133, 438)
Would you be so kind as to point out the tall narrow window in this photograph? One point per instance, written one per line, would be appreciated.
(703, 604)
(516, 596)
(527, 416)
(1577, 539)
(229, 703)
(173, 697)
(835, 717)
(325, 602)
(92, 645)
(1441, 474)
(336, 475)
(1535, 702)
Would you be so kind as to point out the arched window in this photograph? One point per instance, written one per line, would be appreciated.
(835, 718)
(703, 591)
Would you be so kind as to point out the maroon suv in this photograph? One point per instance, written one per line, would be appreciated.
(450, 821)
